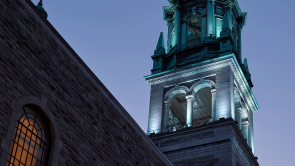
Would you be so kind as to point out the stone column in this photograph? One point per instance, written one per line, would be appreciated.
(184, 35)
(245, 130)
(251, 131)
(189, 113)
(238, 117)
(240, 44)
(229, 14)
(204, 29)
(213, 92)
(166, 117)
(177, 26)
(210, 18)
(170, 36)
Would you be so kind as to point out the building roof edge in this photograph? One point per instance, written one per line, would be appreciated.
(49, 25)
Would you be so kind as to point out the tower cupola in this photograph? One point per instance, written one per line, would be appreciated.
(201, 96)
(200, 30)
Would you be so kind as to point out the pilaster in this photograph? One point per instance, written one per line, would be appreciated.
(251, 131)
(245, 130)
(238, 117)
(165, 116)
(240, 45)
(213, 116)
(228, 8)
(184, 32)
(169, 40)
(155, 111)
(177, 26)
(225, 94)
(210, 18)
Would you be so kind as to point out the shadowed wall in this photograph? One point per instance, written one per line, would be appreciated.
(36, 61)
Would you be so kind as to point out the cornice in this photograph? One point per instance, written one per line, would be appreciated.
(229, 60)
(228, 3)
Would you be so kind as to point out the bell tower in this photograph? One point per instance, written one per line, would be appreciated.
(201, 102)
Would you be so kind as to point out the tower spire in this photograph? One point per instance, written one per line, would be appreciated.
(158, 56)
(161, 42)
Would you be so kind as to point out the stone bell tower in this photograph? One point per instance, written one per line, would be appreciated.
(201, 102)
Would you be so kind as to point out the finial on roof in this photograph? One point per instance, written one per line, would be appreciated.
(41, 9)
(40, 3)
(161, 42)
(246, 65)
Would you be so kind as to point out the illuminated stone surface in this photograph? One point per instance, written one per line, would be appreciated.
(201, 102)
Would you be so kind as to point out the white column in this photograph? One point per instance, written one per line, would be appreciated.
(184, 35)
(251, 131)
(189, 113)
(210, 18)
(213, 107)
(170, 36)
(245, 130)
(238, 117)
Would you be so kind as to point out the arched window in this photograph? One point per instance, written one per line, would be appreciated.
(32, 140)
(202, 111)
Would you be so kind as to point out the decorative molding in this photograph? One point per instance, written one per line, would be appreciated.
(229, 60)
(228, 3)
(166, 89)
(188, 72)
(190, 83)
(204, 160)
(194, 88)
(179, 89)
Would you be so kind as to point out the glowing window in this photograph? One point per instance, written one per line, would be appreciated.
(32, 140)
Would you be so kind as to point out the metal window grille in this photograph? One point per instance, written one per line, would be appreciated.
(29, 146)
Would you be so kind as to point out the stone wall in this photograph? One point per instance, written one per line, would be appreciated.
(35, 60)
(220, 143)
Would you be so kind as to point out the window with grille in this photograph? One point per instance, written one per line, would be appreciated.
(32, 140)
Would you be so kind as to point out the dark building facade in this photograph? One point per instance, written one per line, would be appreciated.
(201, 102)
(53, 110)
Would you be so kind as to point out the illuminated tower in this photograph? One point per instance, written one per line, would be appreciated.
(201, 103)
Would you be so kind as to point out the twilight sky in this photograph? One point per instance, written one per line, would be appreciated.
(116, 39)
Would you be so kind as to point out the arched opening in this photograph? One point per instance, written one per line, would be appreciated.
(194, 30)
(177, 113)
(202, 108)
(32, 140)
